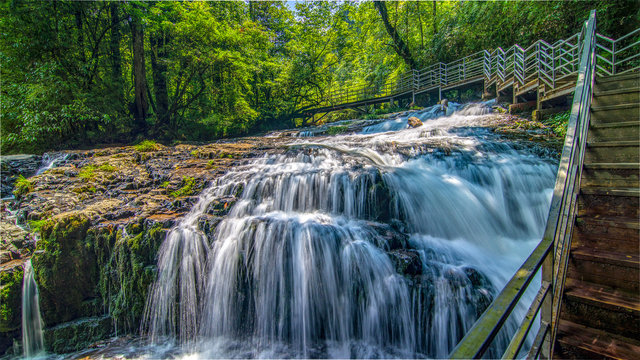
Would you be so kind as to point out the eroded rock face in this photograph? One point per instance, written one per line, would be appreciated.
(100, 219)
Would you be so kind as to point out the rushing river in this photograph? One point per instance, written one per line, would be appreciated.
(386, 243)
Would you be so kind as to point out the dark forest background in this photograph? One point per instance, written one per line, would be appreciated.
(77, 74)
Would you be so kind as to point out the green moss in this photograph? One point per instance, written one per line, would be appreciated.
(84, 189)
(187, 189)
(128, 264)
(195, 153)
(210, 165)
(335, 130)
(10, 299)
(107, 168)
(22, 186)
(164, 185)
(87, 172)
(36, 225)
(65, 269)
(147, 145)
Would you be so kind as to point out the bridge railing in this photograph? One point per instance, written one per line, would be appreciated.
(554, 247)
(618, 56)
(543, 64)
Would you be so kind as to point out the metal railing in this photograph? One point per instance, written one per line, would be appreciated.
(553, 250)
(541, 65)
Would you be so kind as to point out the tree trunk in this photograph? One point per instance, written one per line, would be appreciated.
(420, 21)
(141, 103)
(399, 45)
(115, 57)
(80, 35)
(159, 68)
(435, 21)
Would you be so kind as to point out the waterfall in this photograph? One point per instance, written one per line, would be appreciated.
(50, 161)
(32, 342)
(368, 245)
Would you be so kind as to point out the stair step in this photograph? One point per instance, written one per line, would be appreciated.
(615, 269)
(601, 307)
(607, 234)
(626, 166)
(632, 105)
(613, 151)
(615, 113)
(576, 341)
(628, 90)
(626, 130)
(616, 96)
(617, 78)
(610, 175)
(607, 201)
(617, 82)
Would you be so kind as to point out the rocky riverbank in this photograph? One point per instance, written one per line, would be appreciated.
(101, 215)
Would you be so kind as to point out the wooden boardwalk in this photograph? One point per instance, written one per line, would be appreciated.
(541, 71)
(588, 300)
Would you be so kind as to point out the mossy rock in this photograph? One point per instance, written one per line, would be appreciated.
(65, 267)
(78, 334)
(128, 264)
(10, 299)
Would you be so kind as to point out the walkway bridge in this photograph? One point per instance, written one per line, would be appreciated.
(542, 70)
(585, 272)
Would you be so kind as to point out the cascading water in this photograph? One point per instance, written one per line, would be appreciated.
(32, 340)
(369, 245)
(50, 161)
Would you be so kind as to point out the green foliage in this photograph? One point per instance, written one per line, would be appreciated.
(147, 145)
(219, 69)
(22, 186)
(188, 187)
(36, 225)
(558, 123)
(335, 130)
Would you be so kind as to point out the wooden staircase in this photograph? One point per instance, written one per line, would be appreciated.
(600, 316)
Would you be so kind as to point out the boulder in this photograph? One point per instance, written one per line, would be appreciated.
(414, 122)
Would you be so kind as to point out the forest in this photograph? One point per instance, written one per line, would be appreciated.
(82, 74)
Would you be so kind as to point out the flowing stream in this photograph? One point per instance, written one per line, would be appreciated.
(386, 243)
(32, 342)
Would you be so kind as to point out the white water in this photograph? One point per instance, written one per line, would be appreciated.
(50, 161)
(303, 264)
(32, 342)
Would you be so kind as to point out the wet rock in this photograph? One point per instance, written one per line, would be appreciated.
(414, 122)
(221, 207)
(392, 238)
(12, 166)
(208, 223)
(78, 334)
(406, 261)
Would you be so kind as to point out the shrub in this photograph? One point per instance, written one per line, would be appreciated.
(147, 145)
(22, 186)
(558, 123)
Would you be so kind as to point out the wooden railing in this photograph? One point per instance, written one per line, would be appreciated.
(548, 65)
(553, 250)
